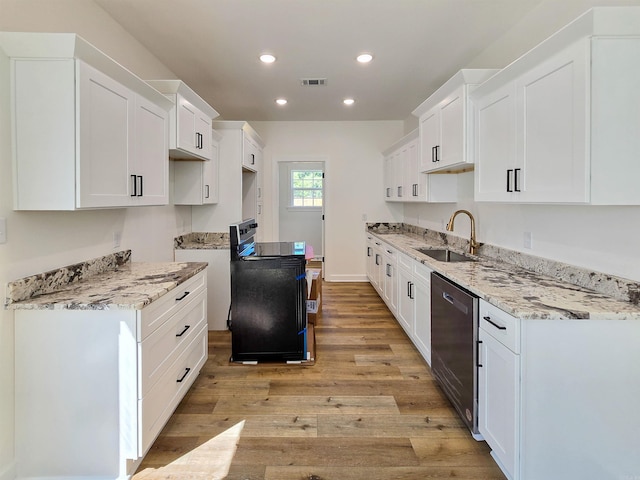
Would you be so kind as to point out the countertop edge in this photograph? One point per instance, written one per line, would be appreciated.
(538, 310)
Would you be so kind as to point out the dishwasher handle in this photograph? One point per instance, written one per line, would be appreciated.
(448, 297)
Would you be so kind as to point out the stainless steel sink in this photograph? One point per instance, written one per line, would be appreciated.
(445, 255)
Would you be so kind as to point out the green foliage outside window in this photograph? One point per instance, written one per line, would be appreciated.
(306, 188)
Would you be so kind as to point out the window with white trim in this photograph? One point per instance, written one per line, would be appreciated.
(306, 188)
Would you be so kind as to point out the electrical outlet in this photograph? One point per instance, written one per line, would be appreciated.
(527, 240)
(116, 239)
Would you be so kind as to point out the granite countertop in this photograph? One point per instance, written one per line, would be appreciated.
(119, 284)
(518, 291)
(202, 241)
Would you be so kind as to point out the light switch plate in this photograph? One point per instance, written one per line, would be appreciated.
(3, 230)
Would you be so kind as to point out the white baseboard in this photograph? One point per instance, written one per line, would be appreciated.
(8, 472)
(347, 278)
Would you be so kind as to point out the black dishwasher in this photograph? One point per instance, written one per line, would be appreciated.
(454, 335)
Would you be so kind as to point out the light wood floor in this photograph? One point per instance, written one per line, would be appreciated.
(367, 410)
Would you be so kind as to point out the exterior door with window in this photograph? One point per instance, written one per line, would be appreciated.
(301, 203)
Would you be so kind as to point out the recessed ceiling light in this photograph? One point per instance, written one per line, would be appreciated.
(281, 101)
(348, 101)
(364, 57)
(267, 58)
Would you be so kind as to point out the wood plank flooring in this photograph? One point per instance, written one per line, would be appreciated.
(368, 409)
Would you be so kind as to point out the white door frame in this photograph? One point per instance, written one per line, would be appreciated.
(277, 159)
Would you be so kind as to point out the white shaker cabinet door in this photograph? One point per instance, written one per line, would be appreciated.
(553, 139)
(406, 300)
(422, 338)
(495, 145)
(452, 127)
(203, 133)
(499, 399)
(187, 118)
(106, 113)
(151, 166)
(429, 140)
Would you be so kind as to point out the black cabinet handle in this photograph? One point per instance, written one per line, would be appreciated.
(186, 372)
(411, 290)
(437, 153)
(433, 154)
(388, 270)
(135, 185)
(516, 187)
(509, 180)
(499, 327)
(399, 192)
(183, 295)
(479, 342)
(377, 258)
(388, 192)
(141, 186)
(186, 327)
(253, 159)
(369, 250)
(206, 191)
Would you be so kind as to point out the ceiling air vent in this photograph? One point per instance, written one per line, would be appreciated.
(313, 82)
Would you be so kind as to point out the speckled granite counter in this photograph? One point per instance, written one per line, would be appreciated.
(202, 241)
(110, 282)
(523, 292)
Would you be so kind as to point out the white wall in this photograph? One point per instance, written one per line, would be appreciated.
(39, 241)
(353, 182)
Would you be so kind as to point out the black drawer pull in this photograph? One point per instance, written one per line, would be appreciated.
(183, 295)
(186, 327)
(499, 327)
(186, 372)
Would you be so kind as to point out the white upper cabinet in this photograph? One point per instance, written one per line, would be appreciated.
(196, 183)
(405, 182)
(189, 121)
(445, 121)
(555, 125)
(87, 133)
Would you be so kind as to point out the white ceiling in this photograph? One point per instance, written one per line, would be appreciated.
(213, 46)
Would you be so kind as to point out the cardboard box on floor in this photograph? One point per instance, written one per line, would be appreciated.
(314, 294)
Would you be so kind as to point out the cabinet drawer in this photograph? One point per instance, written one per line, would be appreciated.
(162, 309)
(422, 272)
(405, 262)
(500, 325)
(160, 349)
(155, 408)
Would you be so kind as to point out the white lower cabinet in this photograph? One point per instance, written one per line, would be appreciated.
(499, 385)
(219, 285)
(390, 278)
(556, 397)
(375, 270)
(422, 293)
(95, 387)
(414, 302)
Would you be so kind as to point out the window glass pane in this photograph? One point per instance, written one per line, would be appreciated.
(306, 188)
